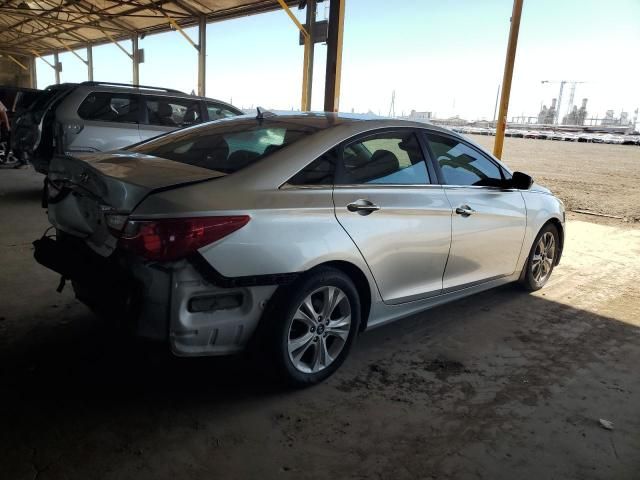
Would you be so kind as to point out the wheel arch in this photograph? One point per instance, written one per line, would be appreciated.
(361, 283)
(558, 224)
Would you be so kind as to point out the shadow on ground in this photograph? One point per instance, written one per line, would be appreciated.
(500, 385)
(74, 398)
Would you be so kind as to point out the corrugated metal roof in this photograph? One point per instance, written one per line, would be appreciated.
(29, 27)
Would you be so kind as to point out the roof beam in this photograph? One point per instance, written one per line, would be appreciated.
(119, 29)
(91, 24)
(76, 54)
(15, 51)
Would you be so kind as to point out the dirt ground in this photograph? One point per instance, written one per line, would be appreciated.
(501, 385)
(586, 176)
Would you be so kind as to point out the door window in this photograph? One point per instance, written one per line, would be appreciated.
(390, 158)
(462, 165)
(216, 111)
(110, 107)
(173, 112)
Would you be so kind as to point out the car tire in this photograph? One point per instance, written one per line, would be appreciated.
(302, 350)
(542, 258)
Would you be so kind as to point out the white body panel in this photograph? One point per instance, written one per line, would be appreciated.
(485, 244)
(406, 242)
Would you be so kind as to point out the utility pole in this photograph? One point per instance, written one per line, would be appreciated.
(507, 77)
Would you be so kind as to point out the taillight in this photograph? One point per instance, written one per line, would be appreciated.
(175, 238)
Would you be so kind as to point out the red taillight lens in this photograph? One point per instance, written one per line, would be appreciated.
(175, 238)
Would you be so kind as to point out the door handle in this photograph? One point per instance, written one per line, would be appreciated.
(362, 207)
(465, 210)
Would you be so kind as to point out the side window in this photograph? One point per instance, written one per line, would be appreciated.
(391, 158)
(173, 112)
(110, 107)
(463, 165)
(318, 172)
(217, 111)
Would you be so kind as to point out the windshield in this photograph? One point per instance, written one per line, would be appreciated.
(226, 147)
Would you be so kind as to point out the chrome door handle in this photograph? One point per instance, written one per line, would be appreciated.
(465, 210)
(362, 207)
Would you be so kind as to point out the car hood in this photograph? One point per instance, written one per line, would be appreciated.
(539, 189)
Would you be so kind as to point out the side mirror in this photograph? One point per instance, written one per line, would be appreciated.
(521, 181)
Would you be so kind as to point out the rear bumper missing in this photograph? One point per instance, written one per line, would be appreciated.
(173, 302)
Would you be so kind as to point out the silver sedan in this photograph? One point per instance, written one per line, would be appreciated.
(292, 233)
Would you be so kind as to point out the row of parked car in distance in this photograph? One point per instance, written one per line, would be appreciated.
(555, 135)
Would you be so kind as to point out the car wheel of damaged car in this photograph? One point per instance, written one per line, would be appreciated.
(312, 326)
(542, 258)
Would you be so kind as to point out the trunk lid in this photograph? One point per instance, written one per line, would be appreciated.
(83, 190)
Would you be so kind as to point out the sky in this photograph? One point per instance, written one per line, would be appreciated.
(446, 57)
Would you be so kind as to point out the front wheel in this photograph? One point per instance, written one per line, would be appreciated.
(542, 258)
(312, 326)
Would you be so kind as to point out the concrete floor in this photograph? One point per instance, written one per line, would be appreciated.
(501, 385)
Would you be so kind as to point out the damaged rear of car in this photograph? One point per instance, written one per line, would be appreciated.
(143, 270)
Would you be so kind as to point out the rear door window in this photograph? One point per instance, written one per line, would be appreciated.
(110, 107)
(318, 172)
(391, 158)
(172, 112)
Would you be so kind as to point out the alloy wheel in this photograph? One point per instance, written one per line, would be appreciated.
(543, 258)
(319, 329)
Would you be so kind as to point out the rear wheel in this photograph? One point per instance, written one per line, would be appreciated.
(542, 258)
(312, 326)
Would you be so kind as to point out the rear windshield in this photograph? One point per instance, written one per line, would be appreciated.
(226, 147)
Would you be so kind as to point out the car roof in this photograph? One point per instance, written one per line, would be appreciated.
(324, 120)
(143, 89)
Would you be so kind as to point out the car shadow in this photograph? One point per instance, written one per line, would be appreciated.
(89, 359)
(61, 381)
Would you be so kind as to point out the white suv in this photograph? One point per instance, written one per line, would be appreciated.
(98, 116)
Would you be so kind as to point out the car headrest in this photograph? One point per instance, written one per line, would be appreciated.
(190, 116)
(271, 149)
(165, 110)
(241, 158)
(380, 164)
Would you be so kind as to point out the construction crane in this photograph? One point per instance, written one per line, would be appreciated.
(562, 83)
(392, 107)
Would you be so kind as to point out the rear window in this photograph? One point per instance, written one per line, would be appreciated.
(228, 147)
(110, 107)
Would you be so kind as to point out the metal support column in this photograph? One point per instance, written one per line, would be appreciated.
(90, 62)
(309, 49)
(135, 57)
(334, 56)
(202, 55)
(307, 42)
(33, 78)
(57, 67)
(508, 75)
